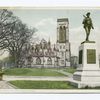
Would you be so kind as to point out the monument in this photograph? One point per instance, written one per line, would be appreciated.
(88, 72)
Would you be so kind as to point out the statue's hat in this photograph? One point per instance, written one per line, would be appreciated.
(88, 13)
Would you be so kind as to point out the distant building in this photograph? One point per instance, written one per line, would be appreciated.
(74, 61)
(45, 54)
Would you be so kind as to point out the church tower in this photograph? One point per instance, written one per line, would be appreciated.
(63, 45)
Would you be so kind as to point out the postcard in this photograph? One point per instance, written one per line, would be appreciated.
(49, 50)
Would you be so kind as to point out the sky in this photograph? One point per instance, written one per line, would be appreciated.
(45, 21)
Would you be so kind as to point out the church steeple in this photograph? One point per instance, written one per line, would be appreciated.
(49, 42)
(62, 30)
(49, 45)
(63, 45)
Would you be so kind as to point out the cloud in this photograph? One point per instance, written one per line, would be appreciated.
(78, 35)
(47, 29)
(45, 22)
(75, 37)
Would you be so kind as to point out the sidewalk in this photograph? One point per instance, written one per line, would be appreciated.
(65, 73)
(49, 78)
(6, 85)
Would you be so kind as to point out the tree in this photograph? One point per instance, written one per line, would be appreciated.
(5, 22)
(14, 35)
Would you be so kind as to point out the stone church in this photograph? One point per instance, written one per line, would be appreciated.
(45, 54)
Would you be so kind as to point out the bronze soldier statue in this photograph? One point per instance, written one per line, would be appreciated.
(87, 22)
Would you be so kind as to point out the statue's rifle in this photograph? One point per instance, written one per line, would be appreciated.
(84, 19)
(84, 16)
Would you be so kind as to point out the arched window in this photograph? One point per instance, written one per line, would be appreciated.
(62, 61)
(38, 61)
(60, 34)
(64, 27)
(60, 27)
(62, 54)
(49, 61)
(64, 33)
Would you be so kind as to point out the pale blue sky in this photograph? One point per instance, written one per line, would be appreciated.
(32, 16)
(45, 20)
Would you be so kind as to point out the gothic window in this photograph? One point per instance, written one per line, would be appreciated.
(63, 47)
(62, 54)
(62, 34)
(38, 61)
(60, 27)
(49, 61)
(60, 47)
(62, 61)
(64, 28)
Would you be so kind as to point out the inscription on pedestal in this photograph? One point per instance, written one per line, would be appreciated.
(91, 56)
(80, 56)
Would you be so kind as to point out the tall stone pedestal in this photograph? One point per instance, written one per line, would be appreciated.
(88, 72)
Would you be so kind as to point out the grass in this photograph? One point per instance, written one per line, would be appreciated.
(70, 70)
(32, 72)
(88, 87)
(23, 84)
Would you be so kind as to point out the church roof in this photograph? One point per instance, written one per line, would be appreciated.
(46, 54)
(43, 41)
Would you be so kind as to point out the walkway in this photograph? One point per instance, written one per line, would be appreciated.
(6, 85)
(65, 73)
(49, 78)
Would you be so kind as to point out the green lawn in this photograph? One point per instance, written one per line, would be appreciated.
(70, 70)
(23, 84)
(32, 72)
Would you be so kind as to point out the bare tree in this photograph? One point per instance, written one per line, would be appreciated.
(14, 35)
